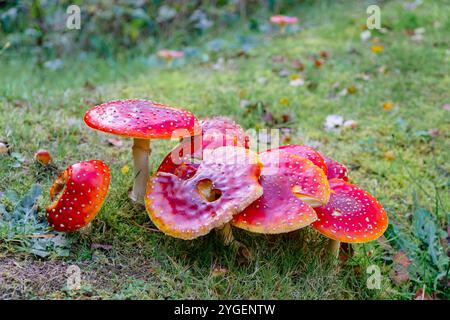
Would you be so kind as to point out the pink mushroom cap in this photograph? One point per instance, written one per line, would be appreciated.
(283, 20)
(172, 54)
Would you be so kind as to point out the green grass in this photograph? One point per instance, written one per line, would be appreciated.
(44, 109)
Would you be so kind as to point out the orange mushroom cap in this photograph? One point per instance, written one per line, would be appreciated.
(84, 187)
(283, 20)
(225, 183)
(352, 215)
(43, 156)
(141, 119)
(291, 185)
(184, 159)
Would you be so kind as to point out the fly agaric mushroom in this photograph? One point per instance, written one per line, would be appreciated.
(306, 152)
(184, 159)
(83, 187)
(225, 183)
(335, 169)
(283, 21)
(141, 120)
(292, 186)
(170, 55)
(216, 132)
(352, 215)
(43, 156)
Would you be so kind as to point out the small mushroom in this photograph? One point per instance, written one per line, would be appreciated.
(292, 186)
(4, 147)
(43, 156)
(141, 120)
(225, 183)
(283, 21)
(170, 55)
(335, 169)
(185, 158)
(352, 215)
(80, 190)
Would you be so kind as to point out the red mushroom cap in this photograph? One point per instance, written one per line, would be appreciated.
(352, 215)
(141, 119)
(225, 183)
(283, 20)
(43, 156)
(84, 187)
(170, 54)
(185, 158)
(291, 186)
(336, 170)
(306, 152)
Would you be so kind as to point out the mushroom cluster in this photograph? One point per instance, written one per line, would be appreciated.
(213, 180)
(300, 187)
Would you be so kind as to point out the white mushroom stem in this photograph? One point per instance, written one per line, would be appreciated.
(226, 234)
(333, 247)
(141, 151)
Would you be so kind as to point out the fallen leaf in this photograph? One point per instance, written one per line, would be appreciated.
(218, 271)
(262, 80)
(268, 118)
(242, 94)
(401, 263)
(318, 63)
(422, 295)
(284, 101)
(377, 49)
(244, 104)
(277, 58)
(286, 135)
(298, 65)
(388, 105)
(297, 82)
(125, 169)
(365, 35)
(351, 90)
(285, 118)
(333, 121)
(352, 124)
(324, 54)
(434, 132)
(389, 155)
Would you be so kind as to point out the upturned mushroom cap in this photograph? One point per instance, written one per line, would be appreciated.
(306, 152)
(291, 186)
(84, 187)
(283, 20)
(225, 183)
(352, 215)
(141, 119)
(336, 170)
(184, 159)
